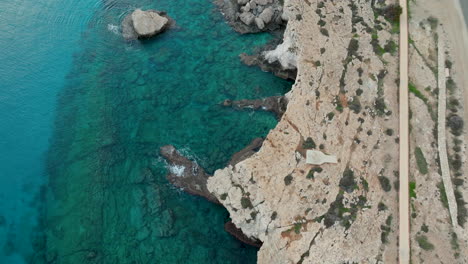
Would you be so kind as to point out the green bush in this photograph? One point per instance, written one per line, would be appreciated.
(355, 105)
(246, 203)
(421, 161)
(424, 243)
(309, 144)
(223, 196)
(412, 189)
(288, 179)
(312, 172)
(389, 132)
(390, 47)
(392, 13)
(274, 215)
(381, 206)
(424, 228)
(297, 228)
(385, 183)
(412, 88)
(347, 182)
(353, 47)
(433, 22)
(324, 32)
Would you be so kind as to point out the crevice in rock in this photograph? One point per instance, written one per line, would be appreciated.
(232, 229)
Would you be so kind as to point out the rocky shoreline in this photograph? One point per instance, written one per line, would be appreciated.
(252, 16)
(187, 175)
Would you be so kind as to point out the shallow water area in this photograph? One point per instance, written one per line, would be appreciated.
(108, 199)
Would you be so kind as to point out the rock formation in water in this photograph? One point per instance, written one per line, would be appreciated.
(144, 24)
(186, 174)
(191, 178)
(274, 104)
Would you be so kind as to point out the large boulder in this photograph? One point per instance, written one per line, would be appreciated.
(247, 18)
(144, 24)
(267, 15)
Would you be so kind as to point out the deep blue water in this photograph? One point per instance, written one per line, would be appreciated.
(83, 116)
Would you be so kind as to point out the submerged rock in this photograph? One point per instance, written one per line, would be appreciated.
(274, 104)
(144, 24)
(186, 174)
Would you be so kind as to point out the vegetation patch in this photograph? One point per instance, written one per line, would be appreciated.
(341, 214)
(412, 189)
(386, 229)
(412, 88)
(288, 179)
(424, 243)
(274, 215)
(309, 144)
(246, 203)
(324, 32)
(385, 183)
(355, 105)
(312, 172)
(421, 161)
(443, 194)
(381, 206)
(348, 182)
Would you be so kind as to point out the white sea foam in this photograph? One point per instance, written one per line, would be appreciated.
(177, 170)
(113, 28)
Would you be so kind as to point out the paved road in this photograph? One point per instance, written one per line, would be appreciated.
(404, 232)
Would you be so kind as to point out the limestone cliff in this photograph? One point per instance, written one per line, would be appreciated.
(344, 103)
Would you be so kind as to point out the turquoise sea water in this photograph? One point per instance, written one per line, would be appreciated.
(37, 39)
(114, 104)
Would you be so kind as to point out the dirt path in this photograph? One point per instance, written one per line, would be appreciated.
(441, 129)
(404, 227)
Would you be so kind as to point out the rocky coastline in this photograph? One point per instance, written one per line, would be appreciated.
(343, 58)
(187, 175)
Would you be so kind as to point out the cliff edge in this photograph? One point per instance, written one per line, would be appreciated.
(343, 103)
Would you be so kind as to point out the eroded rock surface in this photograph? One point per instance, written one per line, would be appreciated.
(344, 102)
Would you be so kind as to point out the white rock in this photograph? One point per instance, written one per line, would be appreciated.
(266, 15)
(259, 23)
(148, 23)
(247, 18)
